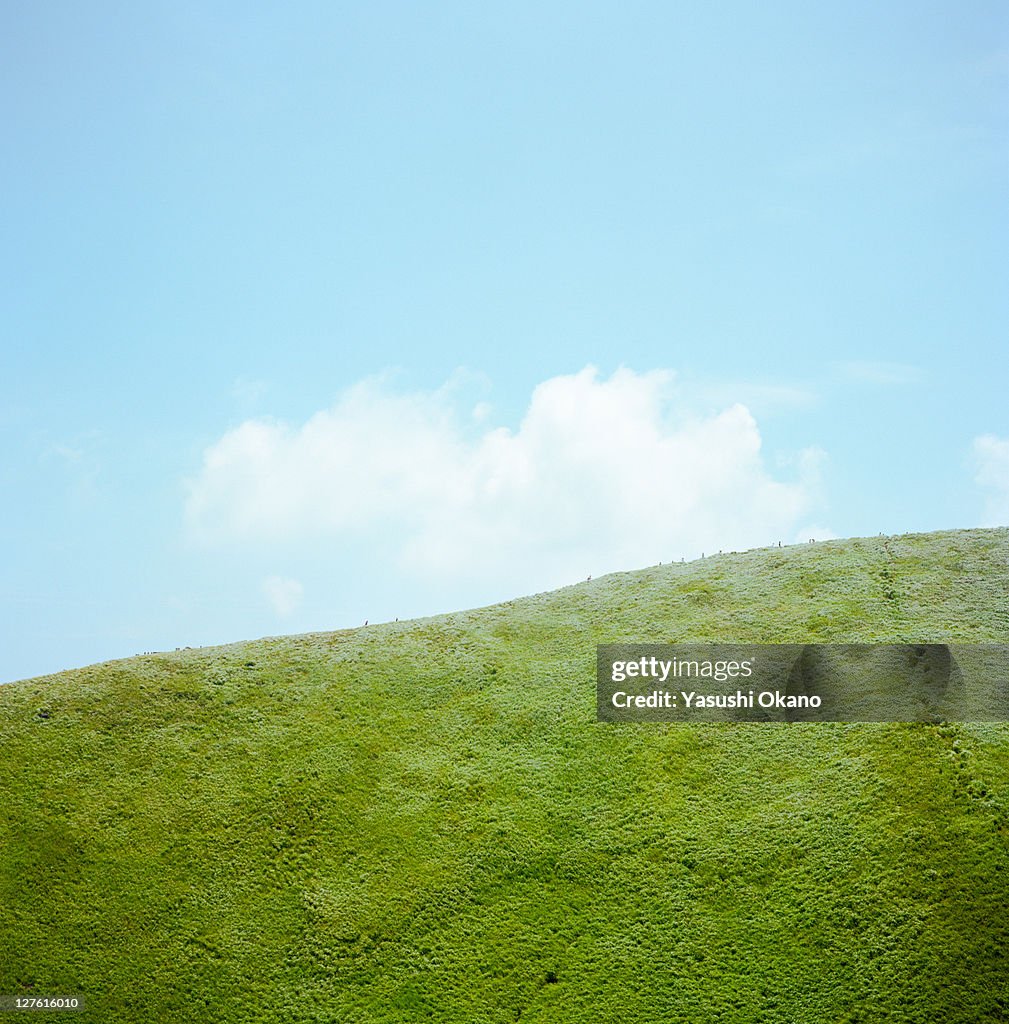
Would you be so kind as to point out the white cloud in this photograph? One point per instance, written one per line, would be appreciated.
(284, 595)
(481, 411)
(601, 474)
(991, 461)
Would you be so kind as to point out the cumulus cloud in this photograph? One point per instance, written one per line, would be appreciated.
(991, 461)
(601, 474)
(283, 595)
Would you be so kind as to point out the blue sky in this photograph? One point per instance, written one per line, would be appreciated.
(370, 310)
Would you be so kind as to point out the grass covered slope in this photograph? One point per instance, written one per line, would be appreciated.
(423, 821)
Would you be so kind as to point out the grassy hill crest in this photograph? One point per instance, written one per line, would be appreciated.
(421, 820)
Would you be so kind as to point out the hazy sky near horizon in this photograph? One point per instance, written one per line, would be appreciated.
(330, 312)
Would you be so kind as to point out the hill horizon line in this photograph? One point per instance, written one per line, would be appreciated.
(714, 558)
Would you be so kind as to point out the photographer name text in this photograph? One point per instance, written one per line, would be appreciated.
(660, 670)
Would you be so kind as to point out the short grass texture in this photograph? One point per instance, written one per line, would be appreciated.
(422, 821)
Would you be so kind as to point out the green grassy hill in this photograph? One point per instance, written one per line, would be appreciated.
(423, 820)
